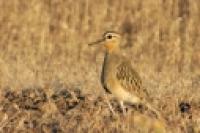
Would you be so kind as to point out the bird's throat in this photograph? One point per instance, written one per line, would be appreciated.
(110, 47)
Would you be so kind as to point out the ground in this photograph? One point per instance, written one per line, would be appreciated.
(50, 78)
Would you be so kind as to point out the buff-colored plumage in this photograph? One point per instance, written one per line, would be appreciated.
(118, 75)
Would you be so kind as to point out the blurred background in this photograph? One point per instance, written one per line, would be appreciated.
(44, 50)
(43, 42)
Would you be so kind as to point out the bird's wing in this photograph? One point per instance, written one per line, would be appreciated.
(130, 80)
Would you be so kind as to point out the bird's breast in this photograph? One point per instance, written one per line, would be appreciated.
(108, 76)
(105, 77)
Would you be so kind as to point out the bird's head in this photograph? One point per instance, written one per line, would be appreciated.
(110, 41)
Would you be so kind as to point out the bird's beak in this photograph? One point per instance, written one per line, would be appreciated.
(96, 42)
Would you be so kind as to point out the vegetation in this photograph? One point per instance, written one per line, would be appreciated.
(44, 52)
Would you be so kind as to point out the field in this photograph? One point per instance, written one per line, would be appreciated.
(50, 78)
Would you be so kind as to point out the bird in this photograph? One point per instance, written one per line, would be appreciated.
(118, 77)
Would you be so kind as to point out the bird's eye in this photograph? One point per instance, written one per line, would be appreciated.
(109, 37)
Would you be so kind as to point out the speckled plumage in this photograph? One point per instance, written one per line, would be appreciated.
(117, 70)
(130, 80)
(118, 76)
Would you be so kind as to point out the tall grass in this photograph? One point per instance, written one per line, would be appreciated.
(44, 40)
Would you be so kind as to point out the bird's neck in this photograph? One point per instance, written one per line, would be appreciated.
(109, 54)
(111, 50)
(112, 47)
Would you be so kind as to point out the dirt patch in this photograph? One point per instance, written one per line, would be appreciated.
(68, 110)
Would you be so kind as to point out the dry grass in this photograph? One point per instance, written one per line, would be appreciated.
(44, 43)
